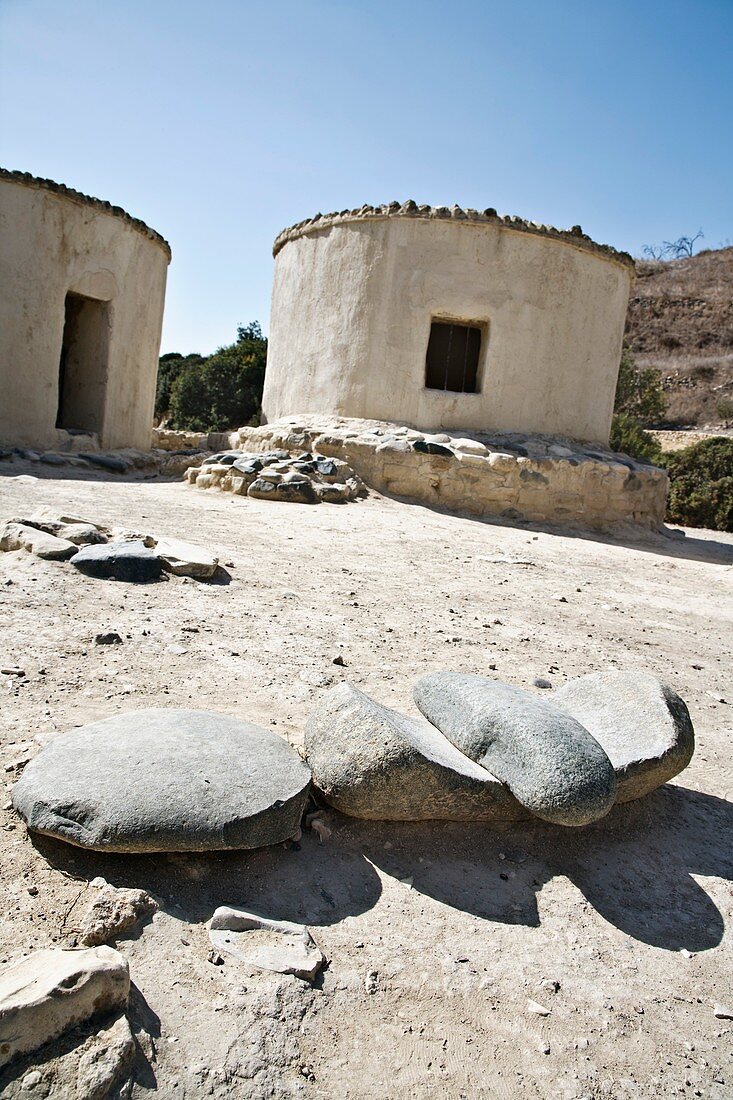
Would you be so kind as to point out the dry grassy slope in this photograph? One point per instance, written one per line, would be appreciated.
(681, 320)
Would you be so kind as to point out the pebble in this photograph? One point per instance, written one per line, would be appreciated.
(110, 638)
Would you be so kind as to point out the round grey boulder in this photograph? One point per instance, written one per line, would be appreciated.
(549, 761)
(372, 762)
(165, 781)
(641, 723)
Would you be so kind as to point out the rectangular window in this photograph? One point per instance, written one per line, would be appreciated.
(453, 357)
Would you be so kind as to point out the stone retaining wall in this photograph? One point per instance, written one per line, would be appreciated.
(511, 477)
(168, 439)
(678, 440)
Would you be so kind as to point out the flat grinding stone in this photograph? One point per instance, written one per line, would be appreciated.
(122, 561)
(165, 781)
(372, 762)
(642, 725)
(549, 761)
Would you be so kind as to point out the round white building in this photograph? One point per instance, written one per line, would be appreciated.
(443, 318)
(81, 310)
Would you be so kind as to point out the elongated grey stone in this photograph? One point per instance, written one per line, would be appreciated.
(549, 761)
(164, 781)
(641, 723)
(372, 762)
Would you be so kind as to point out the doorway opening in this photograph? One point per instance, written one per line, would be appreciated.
(83, 364)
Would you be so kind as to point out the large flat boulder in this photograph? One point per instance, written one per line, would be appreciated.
(53, 990)
(122, 561)
(164, 781)
(549, 761)
(372, 762)
(641, 723)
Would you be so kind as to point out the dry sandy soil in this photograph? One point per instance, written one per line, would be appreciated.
(437, 935)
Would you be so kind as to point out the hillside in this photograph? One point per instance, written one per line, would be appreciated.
(680, 321)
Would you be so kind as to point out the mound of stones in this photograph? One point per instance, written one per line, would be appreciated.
(302, 478)
(486, 750)
(105, 552)
(165, 781)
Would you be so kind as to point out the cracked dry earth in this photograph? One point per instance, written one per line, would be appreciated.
(438, 936)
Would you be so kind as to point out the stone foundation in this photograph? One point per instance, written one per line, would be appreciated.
(510, 477)
(170, 439)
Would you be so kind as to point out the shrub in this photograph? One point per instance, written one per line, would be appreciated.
(639, 401)
(628, 436)
(701, 489)
(639, 391)
(724, 408)
(169, 367)
(224, 390)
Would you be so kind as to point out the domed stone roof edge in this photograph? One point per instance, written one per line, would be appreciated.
(28, 180)
(410, 209)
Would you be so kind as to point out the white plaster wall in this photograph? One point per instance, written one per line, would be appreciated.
(351, 313)
(51, 244)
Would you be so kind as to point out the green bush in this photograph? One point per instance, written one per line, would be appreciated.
(222, 391)
(639, 391)
(724, 408)
(628, 436)
(169, 367)
(639, 402)
(701, 484)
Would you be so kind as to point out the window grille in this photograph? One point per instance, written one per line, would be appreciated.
(453, 355)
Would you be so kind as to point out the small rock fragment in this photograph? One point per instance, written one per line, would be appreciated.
(537, 1008)
(110, 638)
(105, 1061)
(17, 536)
(185, 559)
(294, 951)
(115, 911)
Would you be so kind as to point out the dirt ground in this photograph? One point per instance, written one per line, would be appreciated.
(437, 935)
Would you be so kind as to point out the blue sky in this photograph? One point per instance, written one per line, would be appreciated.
(220, 123)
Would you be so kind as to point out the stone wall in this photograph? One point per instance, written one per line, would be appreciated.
(678, 440)
(169, 439)
(511, 477)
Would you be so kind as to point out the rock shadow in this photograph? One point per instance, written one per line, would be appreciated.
(306, 882)
(634, 866)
